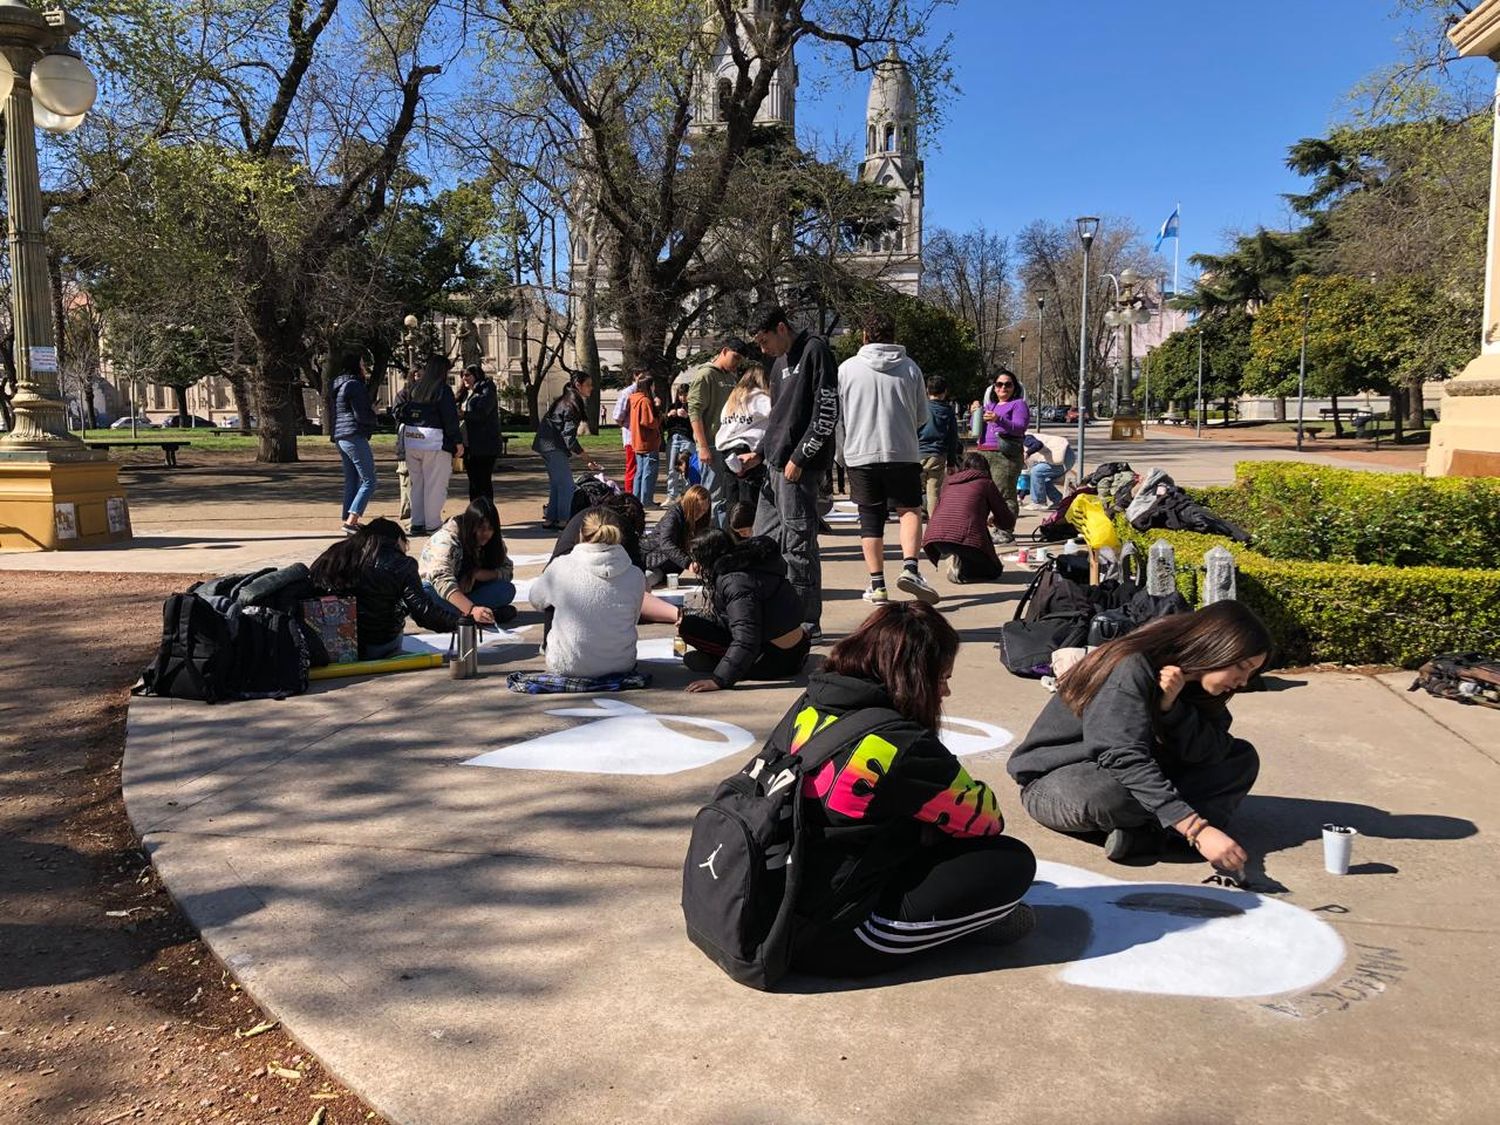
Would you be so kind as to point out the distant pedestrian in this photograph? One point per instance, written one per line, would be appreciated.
(708, 391)
(797, 450)
(644, 414)
(622, 419)
(353, 423)
(428, 416)
(1006, 418)
(882, 404)
(677, 434)
(942, 447)
(481, 430)
(557, 440)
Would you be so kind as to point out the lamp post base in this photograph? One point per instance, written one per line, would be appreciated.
(1466, 443)
(54, 502)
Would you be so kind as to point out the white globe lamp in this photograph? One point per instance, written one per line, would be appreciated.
(54, 122)
(62, 83)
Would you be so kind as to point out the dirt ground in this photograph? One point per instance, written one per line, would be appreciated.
(111, 1010)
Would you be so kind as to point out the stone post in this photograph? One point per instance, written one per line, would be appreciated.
(1466, 442)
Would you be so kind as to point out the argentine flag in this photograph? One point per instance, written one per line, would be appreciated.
(1168, 228)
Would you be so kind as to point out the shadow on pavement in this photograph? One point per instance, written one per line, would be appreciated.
(1272, 824)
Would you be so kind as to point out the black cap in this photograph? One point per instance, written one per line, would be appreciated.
(734, 344)
(767, 318)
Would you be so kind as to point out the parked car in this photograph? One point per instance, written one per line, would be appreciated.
(194, 422)
(141, 422)
(1053, 414)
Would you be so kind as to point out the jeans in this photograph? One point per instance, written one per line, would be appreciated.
(677, 482)
(788, 513)
(382, 650)
(359, 474)
(1043, 476)
(1085, 797)
(559, 507)
(497, 593)
(646, 467)
(716, 477)
(934, 472)
(431, 469)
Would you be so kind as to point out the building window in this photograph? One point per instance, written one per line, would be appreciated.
(890, 138)
(726, 95)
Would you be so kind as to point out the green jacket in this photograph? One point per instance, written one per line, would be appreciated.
(707, 394)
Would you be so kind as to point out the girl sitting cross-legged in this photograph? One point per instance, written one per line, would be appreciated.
(905, 852)
(594, 593)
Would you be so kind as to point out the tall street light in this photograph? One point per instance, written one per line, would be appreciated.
(1128, 311)
(1041, 339)
(1088, 227)
(1302, 366)
(54, 490)
(409, 342)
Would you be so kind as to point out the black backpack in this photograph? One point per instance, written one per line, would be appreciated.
(196, 657)
(250, 652)
(744, 863)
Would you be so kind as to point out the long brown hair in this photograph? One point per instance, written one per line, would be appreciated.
(907, 647)
(696, 503)
(753, 382)
(1216, 636)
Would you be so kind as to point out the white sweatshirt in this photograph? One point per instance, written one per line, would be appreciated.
(882, 405)
(595, 591)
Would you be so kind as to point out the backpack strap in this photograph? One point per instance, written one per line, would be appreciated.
(824, 746)
(1041, 572)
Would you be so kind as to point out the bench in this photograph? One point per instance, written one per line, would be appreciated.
(168, 448)
(1173, 420)
(505, 440)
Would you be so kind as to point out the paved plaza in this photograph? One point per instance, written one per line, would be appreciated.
(465, 901)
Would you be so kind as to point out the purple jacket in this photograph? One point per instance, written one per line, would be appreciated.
(1012, 419)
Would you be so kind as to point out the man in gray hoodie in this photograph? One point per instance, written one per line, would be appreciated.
(883, 403)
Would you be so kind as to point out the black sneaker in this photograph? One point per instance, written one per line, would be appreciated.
(505, 613)
(698, 661)
(813, 630)
(1130, 843)
(1010, 929)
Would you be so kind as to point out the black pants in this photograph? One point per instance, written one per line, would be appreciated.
(972, 564)
(708, 636)
(1084, 797)
(480, 470)
(945, 892)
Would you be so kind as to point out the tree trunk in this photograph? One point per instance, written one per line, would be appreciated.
(244, 402)
(1416, 404)
(276, 392)
(180, 394)
(1278, 408)
(1338, 429)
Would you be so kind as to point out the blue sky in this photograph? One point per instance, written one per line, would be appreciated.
(1125, 109)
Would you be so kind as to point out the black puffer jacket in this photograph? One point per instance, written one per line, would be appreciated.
(664, 547)
(388, 590)
(481, 420)
(754, 601)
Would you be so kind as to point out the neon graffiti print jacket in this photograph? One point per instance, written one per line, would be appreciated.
(872, 806)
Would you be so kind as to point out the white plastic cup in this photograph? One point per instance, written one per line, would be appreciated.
(674, 581)
(1338, 847)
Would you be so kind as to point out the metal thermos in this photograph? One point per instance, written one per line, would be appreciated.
(464, 664)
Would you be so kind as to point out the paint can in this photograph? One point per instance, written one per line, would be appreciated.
(1023, 556)
(674, 581)
(1338, 847)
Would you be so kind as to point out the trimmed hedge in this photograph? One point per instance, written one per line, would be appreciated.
(1321, 514)
(1347, 613)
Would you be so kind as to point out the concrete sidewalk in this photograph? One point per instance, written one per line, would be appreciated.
(463, 943)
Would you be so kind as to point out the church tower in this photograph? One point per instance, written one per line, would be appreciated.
(894, 256)
(715, 82)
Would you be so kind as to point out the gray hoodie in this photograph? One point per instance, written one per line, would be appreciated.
(883, 403)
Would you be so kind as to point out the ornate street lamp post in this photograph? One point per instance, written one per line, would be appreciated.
(409, 342)
(54, 490)
(1041, 308)
(1088, 227)
(1129, 310)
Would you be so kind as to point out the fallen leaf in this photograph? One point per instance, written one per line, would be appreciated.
(283, 1072)
(317, 1118)
(258, 1029)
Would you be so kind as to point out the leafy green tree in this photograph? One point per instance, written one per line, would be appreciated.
(1226, 352)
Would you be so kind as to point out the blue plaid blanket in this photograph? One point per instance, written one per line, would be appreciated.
(549, 683)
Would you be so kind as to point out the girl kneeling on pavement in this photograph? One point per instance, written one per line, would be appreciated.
(1136, 742)
(958, 529)
(374, 569)
(754, 630)
(466, 565)
(905, 852)
(664, 548)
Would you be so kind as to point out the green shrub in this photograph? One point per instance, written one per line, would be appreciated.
(1321, 514)
(1348, 613)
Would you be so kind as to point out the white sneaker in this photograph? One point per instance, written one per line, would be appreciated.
(872, 594)
(918, 587)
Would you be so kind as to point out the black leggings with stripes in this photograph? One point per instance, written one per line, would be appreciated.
(945, 892)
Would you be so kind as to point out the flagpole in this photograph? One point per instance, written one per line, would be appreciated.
(1176, 248)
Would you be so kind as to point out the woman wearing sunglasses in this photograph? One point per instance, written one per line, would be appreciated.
(1006, 417)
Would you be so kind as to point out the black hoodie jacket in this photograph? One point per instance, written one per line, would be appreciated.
(868, 806)
(387, 592)
(804, 407)
(754, 601)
